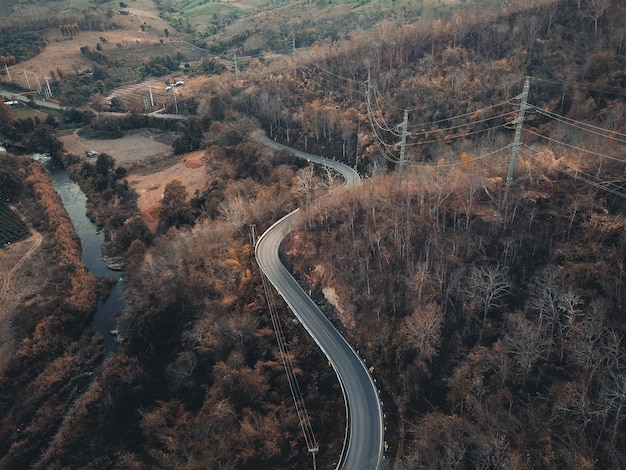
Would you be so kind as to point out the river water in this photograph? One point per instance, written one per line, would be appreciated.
(92, 240)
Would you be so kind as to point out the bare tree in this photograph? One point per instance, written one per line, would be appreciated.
(595, 10)
(419, 278)
(423, 330)
(486, 286)
(305, 182)
(613, 398)
(235, 211)
(492, 453)
(544, 299)
(526, 342)
(330, 176)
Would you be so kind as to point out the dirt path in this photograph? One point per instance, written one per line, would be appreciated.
(9, 299)
(7, 277)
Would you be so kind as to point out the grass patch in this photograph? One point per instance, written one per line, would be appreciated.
(205, 8)
(25, 112)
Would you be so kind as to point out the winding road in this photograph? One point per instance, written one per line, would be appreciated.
(363, 445)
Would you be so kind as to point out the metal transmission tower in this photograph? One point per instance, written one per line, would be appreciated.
(48, 87)
(27, 81)
(236, 66)
(404, 126)
(368, 94)
(293, 45)
(518, 130)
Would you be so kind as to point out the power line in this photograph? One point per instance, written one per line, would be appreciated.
(591, 152)
(607, 186)
(294, 387)
(462, 162)
(426, 123)
(580, 87)
(459, 126)
(386, 128)
(580, 125)
(380, 112)
(455, 136)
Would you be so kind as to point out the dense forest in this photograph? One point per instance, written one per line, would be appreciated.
(491, 311)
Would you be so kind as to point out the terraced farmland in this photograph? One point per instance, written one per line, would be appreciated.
(205, 8)
(12, 227)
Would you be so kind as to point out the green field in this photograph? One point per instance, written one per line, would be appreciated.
(24, 112)
(206, 8)
(12, 227)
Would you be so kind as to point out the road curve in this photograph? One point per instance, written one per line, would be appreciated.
(363, 446)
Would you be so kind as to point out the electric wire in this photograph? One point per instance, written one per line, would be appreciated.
(579, 87)
(580, 125)
(462, 162)
(455, 136)
(323, 81)
(459, 126)
(386, 127)
(428, 123)
(579, 175)
(296, 393)
(313, 63)
(558, 142)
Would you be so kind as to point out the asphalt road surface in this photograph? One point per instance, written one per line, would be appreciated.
(363, 446)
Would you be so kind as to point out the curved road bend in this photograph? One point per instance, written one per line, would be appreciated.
(363, 446)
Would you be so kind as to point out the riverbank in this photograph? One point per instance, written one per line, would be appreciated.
(49, 350)
(43, 268)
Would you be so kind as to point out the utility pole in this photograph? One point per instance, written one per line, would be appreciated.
(27, 82)
(236, 66)
(151, 97)
(6, 68)
(48, 87)
(518, 129)
(313, 452)
(404, 126)
(253, 234)
(293, 45)
(368, 94)
(175, 102)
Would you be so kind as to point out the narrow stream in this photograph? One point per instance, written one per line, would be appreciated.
(92, 240)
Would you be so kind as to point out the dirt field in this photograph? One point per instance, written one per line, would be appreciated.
(189, 170)
(151, 166)
(64, 54)
(133, 151)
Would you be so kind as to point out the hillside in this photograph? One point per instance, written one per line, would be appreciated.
(491, 313)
